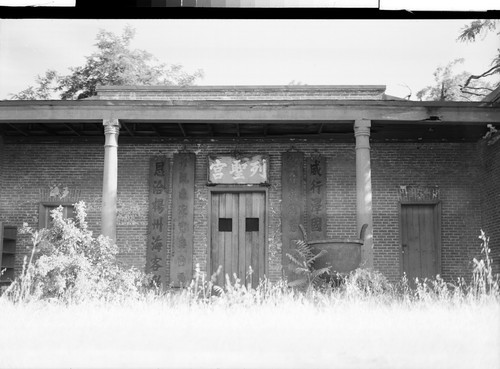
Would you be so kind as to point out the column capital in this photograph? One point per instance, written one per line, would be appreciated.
(111, 126)
(362, 127)
(362, 133)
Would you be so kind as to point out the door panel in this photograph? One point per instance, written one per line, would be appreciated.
(419, 238)
(240, 245)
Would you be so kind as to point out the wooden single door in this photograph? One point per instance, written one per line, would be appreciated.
(238, 236)
(420, 235)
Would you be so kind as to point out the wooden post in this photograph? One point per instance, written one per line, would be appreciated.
(183, 177)
(364, 212)
(110, 178)
(292, 208)
(156, 251)
(1, 163)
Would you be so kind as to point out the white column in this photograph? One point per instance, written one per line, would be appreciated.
(1, 165)
(110, 178)
(364, 212)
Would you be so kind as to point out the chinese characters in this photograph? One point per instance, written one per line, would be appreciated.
(316, 196)
(182, 217)
(240, 170)
(156, 250)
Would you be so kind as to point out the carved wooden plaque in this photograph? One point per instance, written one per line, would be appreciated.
(156, 252)
(242, 169)
(292, 207)
(316, 197)
(181, 265)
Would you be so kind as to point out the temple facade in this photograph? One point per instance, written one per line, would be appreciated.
(223, 176)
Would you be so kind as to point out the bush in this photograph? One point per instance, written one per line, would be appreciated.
(367, 282)
(67, 263)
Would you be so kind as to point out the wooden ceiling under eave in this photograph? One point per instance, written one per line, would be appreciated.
(339, 131)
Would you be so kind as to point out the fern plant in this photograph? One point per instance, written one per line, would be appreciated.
(304, 266)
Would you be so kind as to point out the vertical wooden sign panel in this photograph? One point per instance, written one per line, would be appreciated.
(292, 207)
(181, 265)
(316, 197)
(156, 252)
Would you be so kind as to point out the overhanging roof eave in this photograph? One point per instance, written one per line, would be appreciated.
(246, 111)
(244, 102)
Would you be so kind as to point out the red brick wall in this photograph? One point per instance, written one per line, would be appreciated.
(490, 180)
(453, 167)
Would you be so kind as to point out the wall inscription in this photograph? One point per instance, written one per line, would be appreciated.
(418, 193)
(316, 197)
(238, 169)
(156, 254)
(292, 207)
(181, 267)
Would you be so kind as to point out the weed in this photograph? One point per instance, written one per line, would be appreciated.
(303, 259)
(67, 263)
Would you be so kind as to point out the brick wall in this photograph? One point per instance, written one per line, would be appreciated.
(453, 167)
(490, 204)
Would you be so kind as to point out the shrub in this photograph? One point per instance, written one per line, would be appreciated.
(367, 282)
(67, 263)
(303, 259)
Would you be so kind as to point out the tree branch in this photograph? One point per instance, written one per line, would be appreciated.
(489, 72)
(478, 88)
(473, 93)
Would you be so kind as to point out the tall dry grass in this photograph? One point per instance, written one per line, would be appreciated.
(292, 331)
(364, 321)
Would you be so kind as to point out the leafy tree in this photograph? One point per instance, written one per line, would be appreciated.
(448, 84)
(468, 34)
(113, 63)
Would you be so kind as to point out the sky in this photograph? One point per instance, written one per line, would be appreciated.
(401, 54)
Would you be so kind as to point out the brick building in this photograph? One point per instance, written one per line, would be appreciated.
(224, 175)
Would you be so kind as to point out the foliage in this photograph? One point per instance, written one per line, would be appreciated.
(68, 264)
(469, 33)
(464, 86)
(234, 292)
(45, 86)
(448, 84)
(483, 280)
(113, 63)
(303, 259)
(367, 282)
(203, 289)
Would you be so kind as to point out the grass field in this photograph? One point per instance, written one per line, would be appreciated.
(73, 306)
(288, 334)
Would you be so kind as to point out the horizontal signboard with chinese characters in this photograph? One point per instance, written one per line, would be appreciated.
(241, 169)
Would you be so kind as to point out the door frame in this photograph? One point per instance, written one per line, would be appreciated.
(437, 227)
(237, 189)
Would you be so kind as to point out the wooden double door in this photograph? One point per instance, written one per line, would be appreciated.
(420, 240)
(238, 235)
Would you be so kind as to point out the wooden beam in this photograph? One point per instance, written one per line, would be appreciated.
(127, 128)
(251, 111)
(155, 129)
(18, 129)
(182, 129)
(72, 129)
